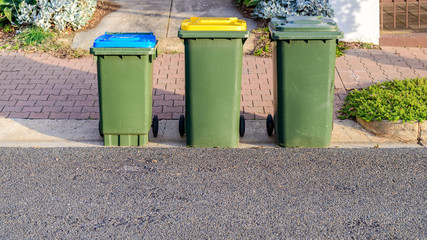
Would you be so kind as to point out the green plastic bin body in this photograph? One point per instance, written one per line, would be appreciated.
(213, 73)
(125, 86)
(304, 71)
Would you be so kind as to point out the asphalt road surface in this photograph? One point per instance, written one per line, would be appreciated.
(140, 193)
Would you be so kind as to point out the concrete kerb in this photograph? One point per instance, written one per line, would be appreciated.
(85, 133)
(423, 132)
(406, 132)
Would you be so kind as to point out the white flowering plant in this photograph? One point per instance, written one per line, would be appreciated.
(57, 14)
(283, 8)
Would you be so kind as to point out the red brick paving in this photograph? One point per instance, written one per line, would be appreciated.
(42, 86)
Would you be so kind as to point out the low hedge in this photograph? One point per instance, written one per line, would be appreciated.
(395, 100)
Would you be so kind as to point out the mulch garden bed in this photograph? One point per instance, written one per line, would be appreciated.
(59, 45)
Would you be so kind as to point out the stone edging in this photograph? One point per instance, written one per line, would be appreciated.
(407, 132)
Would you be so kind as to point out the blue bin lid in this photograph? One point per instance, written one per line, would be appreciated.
(125, 40)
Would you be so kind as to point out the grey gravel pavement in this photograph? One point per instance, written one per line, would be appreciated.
(143, 193)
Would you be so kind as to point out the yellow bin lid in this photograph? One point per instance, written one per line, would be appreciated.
(213, 24)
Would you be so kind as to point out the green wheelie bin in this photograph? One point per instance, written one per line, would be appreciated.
(304, 71)
(213, 74)
(125, 85)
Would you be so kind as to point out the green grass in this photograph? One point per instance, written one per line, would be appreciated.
(34, 36)
(34, 39)
(395, 100)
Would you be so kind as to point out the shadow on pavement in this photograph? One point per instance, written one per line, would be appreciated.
(35, 88)
(399, 57)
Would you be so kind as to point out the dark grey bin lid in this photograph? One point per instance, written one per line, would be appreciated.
(304, 27)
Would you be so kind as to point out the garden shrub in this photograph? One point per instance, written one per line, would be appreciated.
(56, 14)
(395, 100)
(282, 8)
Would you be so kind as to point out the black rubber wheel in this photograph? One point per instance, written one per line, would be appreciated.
(181, 125)
(242, 126)
(270, 125)
(100, 130)
(155, 125)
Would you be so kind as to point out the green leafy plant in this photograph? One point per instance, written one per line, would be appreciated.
(261, 30)
(395, 100)
(262, 43)
(249, 3)
(5, 46)
(368, 46)
(6, 8)
(341, 47)
(258, 51)
(262, 50)
(34, 36)
(6, 27)
(9, 8)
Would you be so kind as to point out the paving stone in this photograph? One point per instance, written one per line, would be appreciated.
(58, 83)
(18, 115)
(55, 115)
(35, 115)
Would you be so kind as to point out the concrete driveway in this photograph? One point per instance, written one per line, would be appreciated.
(162, 17)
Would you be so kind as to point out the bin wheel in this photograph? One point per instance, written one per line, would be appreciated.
(155, 125)
(181, 125)
(270, 125)
(99, 128)
(242, 126)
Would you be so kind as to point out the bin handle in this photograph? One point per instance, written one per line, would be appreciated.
(214, 20)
